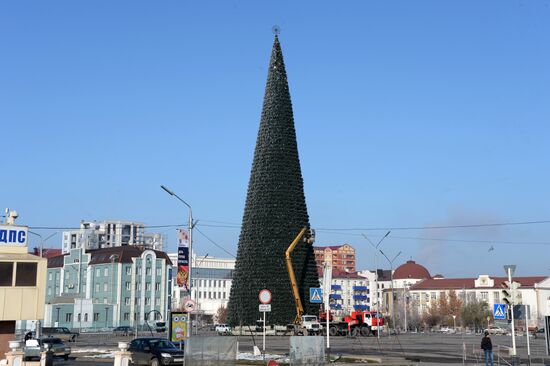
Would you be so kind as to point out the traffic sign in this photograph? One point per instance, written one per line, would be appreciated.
(315, 295)
(265, 308)
(265, 296)
(499, 311)
(190, 305)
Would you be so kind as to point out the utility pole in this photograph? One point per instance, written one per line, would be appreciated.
(391, 278)
(510, 269)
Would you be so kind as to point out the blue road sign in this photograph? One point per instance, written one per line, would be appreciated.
(315, 295)
(499, 311)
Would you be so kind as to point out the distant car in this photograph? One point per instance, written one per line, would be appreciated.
(123, 330)
(33, 347)
(60, 332)
(154, 352)
(447, 330)
(496, 330)
(223, 329)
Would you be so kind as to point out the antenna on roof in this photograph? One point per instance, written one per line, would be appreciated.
(276, 30)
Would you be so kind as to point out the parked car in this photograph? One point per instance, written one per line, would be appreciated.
(493, 329)
(154, 352)
(33, 347)
(123, 330)
(447, 330)
(60, 332)
(223, 329)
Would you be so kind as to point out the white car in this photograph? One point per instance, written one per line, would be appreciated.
(496, 330)
(223, 329)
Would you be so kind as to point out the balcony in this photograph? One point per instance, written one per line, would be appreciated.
(360, 288)
(335, 296)
(336, 287)
(336, 306)
(361, 307)
(360, 297)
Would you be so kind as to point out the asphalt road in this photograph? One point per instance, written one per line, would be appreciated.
(419, 348)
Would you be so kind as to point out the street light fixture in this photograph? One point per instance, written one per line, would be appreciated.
(376, 273)
(391, 279)
(191, 225)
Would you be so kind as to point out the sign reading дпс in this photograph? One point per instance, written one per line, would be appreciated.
(13, 235)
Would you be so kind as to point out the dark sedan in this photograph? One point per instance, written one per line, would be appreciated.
(154, 352)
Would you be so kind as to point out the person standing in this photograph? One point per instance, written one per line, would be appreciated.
(487, 347)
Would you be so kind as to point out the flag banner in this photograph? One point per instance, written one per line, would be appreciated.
(183, 260)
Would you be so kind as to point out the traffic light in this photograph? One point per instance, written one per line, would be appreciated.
(510, 294)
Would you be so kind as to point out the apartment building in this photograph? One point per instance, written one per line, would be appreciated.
(108, 234)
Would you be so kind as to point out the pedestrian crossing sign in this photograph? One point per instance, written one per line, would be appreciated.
(499, 311)
(315, 295)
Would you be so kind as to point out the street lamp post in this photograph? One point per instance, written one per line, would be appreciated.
(391, 279)
(376, 277)
(510, 272)
(42, 240)
(191, 225)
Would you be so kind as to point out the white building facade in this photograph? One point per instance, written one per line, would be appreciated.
(212, 279)
(108, 234)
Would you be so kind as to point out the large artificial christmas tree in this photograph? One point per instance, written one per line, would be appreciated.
(274, 214)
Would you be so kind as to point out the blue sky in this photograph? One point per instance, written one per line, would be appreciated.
(407, 114)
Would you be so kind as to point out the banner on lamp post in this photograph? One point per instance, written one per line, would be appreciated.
(183, 260)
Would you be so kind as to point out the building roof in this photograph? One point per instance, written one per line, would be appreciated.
(47, 252)
(336, 273)
(411, 269)
(332, 247)
(469, 283)
(122, 254)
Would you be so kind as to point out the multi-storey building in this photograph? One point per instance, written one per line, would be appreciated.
(379, 280)
(342, 257)
(107, 234)
(212, 279)
(107, 287)
(349, 292)
(534, 291)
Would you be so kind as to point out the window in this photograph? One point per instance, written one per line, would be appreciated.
(85, 317)
(148, 286)
(159, 271)
(105, 287)
(49, 290)
(147, 301)
(138, 285)
(97, 272)
(26, 274)
(496, 296)
(126, 301)
(433, 295)
(96, 317)
(69, 317)
(128, 286)
(78, 317)
(148, 271)
(50, 276)
(97, 287)
(137, 301)
(139, 270)
(6, 273)
(157, 286)
(128, 270)
(126, 316)
(106, 272)
(484, 295)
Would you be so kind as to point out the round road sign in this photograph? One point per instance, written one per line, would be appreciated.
(265, 296)
(190, 305)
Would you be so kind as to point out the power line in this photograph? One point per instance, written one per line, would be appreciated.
(448, 240)
(213, 242)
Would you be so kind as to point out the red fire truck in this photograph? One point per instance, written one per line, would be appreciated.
(358, 323)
